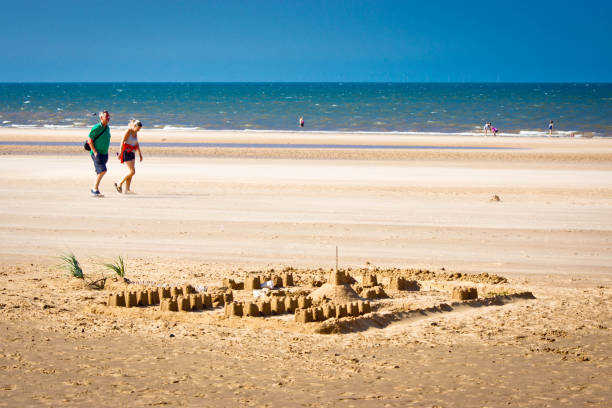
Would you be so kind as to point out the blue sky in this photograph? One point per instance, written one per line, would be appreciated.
(413, 41)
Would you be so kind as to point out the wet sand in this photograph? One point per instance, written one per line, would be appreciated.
(204, 214)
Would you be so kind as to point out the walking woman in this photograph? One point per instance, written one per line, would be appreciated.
(129, 147)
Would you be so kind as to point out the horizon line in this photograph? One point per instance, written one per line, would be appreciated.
(313, 82)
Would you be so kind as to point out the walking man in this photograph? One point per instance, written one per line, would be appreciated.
(99, 140)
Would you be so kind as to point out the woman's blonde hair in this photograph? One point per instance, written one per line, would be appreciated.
(135, 122)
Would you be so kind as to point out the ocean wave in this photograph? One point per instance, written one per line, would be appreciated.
(171, 127)
(58, 126)
(162, 128)
(545, 133)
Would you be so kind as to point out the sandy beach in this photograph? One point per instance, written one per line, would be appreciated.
(536, 211)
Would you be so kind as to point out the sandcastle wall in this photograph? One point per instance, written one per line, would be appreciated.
(321, 313)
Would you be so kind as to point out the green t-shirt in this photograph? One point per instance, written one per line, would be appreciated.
(102, 139)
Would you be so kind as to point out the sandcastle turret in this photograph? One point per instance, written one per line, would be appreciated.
(400, 283)
(278, 305)
(168, 305)
(252, 282)
(303, 315)
(337, 278)
(195, 301)
(130, 299)
(233, 309)
(287, 279)
(465, 293)
(250, 309)
(291, 304)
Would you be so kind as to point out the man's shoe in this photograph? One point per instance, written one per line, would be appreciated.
(96, 193)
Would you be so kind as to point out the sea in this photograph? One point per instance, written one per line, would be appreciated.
(522, 109)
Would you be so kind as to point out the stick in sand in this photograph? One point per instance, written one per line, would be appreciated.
(336, 258)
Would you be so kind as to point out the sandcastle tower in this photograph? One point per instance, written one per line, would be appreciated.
(369, 280)
(291, 304)
(168, 305)
(278, 305)
(252, 282)
(303, 315)
(195, 301)
(265, 308)
(287, 279)
(130, 299)
(400, 283)
(164, 293)
(337, 289)
(250, 309)
(337, 277)
(233, 309)
(116, 299)
(142, 298)
(465, 293)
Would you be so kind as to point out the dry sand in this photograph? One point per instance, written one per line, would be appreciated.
(201, 215)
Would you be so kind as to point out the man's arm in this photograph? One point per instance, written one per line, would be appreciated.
(92, 134)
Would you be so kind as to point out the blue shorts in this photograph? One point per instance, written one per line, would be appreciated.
(100, 162)
(129, 156)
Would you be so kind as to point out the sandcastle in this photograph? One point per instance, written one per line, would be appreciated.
(339, 301)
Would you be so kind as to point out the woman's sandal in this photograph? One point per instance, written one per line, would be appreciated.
(118, 187)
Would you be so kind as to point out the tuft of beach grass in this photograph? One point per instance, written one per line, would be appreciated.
(118, 267)
(71, 264)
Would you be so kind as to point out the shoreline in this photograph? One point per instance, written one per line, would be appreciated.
(458, 150)
(578, 134)
(237, 136)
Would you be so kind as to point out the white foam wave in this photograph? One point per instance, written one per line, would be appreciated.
(476, 133)
(170, 127)
(58, 126)
(539, 133)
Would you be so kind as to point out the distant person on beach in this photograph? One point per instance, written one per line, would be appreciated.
(487, 128)
(551, 126)
(99, 140)
(127, 155)
(494, 130)
(301, 121)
